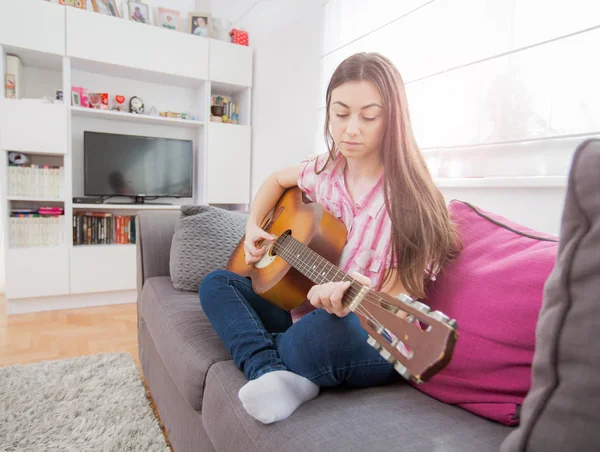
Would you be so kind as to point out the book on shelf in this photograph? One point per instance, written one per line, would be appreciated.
(34, 180)
(103, 228)
(29, 229)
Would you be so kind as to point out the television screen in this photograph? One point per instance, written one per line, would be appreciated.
(127, 165)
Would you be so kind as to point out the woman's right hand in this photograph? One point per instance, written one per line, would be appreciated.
(253, 234)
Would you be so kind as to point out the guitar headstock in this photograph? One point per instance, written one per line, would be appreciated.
(418, 342)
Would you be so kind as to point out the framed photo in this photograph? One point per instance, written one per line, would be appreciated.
(139, 12)
(200, 24)
(108, 7)
(76, 99)
(169, 18)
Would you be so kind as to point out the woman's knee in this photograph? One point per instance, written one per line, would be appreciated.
(319, 339)
(212, 282)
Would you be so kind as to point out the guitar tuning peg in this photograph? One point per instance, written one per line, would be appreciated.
(405, 298)
(373, 343)
(438, 315)
(387, 355)
(421, 307)
(402, 370)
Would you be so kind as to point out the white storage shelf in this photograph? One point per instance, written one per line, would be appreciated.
(228, 178)
(102, 268)
(131, 117)
(33, 24)
(100, 38)
(36, 272)
(230, 63)
(132, 207)
(34, 126)
(34, 199)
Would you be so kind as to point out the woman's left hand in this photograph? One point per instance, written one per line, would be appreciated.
(329, 296)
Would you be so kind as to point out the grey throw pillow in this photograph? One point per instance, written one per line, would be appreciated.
(204, 239)
(560, 412)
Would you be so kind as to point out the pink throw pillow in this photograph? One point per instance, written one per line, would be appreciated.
(494, 290)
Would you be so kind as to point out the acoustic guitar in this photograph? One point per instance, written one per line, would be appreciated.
(308, 246)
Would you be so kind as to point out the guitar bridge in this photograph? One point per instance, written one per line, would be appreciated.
(357, 300)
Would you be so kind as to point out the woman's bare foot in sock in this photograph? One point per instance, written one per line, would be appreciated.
(276, 395)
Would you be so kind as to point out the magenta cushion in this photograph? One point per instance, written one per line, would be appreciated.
(494, 290)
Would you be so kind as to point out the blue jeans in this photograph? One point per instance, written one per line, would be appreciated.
(326, 349)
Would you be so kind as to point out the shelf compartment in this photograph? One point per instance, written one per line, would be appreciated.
(37, 272)
(33, 24)
(102, 268)
(130, 117)
(138, 59)
(132, 207)
(34, 126)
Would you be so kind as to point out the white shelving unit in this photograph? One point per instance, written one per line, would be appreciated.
(59, 48)
(139, 119)
(147, 206)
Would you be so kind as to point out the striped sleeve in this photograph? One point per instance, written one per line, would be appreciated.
(308, 178)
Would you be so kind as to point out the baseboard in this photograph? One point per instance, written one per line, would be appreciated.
(39, 304)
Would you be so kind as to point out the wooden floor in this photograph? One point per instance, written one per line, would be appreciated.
(41, 336)
(28, 338)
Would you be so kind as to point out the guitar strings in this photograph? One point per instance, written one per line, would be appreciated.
(297, 246)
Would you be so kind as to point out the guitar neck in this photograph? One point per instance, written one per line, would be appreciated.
(315, 267)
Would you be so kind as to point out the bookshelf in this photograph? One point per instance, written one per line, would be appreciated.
(59, 49)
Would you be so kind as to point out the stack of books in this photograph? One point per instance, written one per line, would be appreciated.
(103, 228)
(41, 227)
(34, 180)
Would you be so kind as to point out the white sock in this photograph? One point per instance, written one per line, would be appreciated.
(276, 395)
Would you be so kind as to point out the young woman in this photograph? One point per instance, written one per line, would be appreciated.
(399, 235)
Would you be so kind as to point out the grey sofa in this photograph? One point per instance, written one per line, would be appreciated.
(195, 383)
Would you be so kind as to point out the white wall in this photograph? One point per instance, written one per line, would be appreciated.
(495, 87)
(285, 38)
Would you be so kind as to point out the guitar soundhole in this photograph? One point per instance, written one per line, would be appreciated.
(279, 242)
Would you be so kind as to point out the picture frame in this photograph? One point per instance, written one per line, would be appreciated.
(139, 12)
(200, 24)
(169, 19)
(76, 3)
(107, 7)
(75, 99)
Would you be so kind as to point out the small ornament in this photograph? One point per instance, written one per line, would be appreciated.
(153, 111)
(120, 100)
(136, 105)
(99, 101)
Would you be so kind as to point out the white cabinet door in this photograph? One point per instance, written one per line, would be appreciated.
(102, 268)
(98, 37)
(37, 272)
(33, 24)
(228, 171)
(230, 63)
(33, 126)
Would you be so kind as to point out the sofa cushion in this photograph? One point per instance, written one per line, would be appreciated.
(561, 413)
(494, 290)
(183, 335)
(204, 239)
(387, 418)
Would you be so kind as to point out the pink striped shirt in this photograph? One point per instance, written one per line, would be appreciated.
(369, 227)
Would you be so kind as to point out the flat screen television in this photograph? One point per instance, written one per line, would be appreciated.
(137, 166)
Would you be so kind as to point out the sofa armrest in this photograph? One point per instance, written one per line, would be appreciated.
(154, 233)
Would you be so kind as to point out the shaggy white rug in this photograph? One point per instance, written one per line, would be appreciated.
(93, 403)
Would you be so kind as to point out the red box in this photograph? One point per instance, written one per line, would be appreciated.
(239, 37)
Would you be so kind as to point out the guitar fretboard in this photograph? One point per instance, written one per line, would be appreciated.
(312, 265)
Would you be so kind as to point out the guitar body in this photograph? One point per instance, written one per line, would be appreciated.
(274, 278)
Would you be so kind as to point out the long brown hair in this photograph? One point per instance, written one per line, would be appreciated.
(423, 235)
